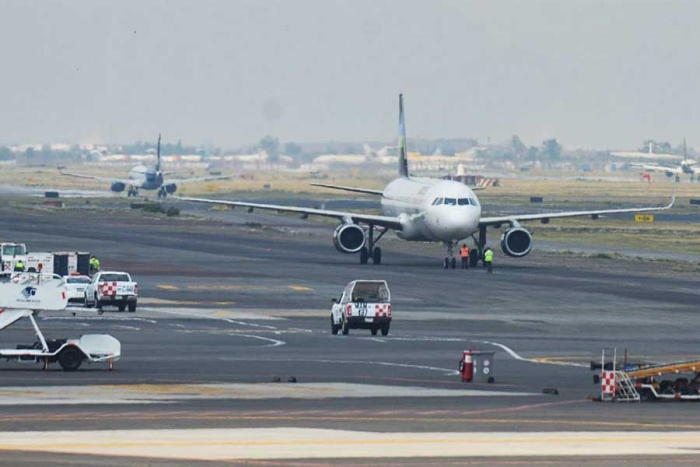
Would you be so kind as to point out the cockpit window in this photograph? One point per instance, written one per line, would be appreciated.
(463, 201)
(473, 201)
(451, 201)
(437, 202)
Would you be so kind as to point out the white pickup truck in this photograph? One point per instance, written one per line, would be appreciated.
(364, 304)
(112, 288)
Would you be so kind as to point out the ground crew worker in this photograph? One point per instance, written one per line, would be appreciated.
(94, 265)
(464, 253)
(19, 266)
(488, 259)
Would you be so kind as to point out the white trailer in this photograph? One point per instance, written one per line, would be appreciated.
(26, 294)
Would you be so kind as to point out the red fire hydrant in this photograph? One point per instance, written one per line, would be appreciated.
(466, 366)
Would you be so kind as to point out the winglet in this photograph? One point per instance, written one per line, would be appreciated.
(403, 162)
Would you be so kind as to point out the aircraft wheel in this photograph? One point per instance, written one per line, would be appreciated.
(364, 255)
(453, 263)
(377, 255)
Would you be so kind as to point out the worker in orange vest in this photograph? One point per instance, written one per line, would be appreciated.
(464, 253)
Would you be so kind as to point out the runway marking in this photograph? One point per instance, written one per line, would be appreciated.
(243, 323)
(275, 342)
(98, 318)
(300, 288)
(169, 393)
(296, 443)
(167, 287)
(543, 360)
(126, 328)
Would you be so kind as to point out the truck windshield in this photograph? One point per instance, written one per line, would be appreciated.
(114, 278)
(11, 250)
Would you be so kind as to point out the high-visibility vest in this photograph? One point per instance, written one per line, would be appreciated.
(488, 256)
(19, 266)
(464, 252)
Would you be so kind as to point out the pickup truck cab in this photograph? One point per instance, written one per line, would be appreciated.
(112, 288)
(364, 304)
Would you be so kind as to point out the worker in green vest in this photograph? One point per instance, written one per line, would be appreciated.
(94, 265)
(488, 260)
(19, 266)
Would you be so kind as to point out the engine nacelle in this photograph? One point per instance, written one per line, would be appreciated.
(349, 238)
(118, 187)
(170, 188)
(516, 242)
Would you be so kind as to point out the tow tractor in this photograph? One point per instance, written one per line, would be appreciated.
(645, 382)
(27, 294)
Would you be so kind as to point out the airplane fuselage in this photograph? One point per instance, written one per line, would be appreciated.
(432, 210)
(146, 178)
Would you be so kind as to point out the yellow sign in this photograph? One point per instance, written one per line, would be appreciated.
(644, 218)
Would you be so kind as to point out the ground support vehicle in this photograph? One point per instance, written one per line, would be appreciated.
(644, 382)
(364, 304)
(112, 288)
(27, 294)
(77, 285)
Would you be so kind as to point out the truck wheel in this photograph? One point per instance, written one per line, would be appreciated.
(132, 307)
(88, 304)
(385, 329)
(374, 330)
(346, 327)
(122, 306)
(334, 327)
(70, 358)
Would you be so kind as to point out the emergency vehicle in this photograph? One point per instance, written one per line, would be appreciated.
(112, 288)
(27, 294)
(364, 304)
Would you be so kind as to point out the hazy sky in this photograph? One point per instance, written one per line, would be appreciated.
(590, 73)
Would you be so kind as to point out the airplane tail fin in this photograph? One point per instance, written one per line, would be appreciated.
(158, 155)
(403, 161)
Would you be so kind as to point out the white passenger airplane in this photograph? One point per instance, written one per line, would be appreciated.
(145, 178)
(424, 209)
(686, 167)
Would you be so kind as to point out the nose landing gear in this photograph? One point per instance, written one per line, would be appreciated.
(162, 193)
(450, 261)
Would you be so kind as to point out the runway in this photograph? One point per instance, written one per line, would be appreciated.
(231, 309)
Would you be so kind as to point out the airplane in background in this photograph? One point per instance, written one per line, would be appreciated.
(686, 167)
(424, 209)
(376, 154)
(142, 177)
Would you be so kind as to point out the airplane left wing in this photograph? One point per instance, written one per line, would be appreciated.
(486, 221)
(349, 188)
(382, 221)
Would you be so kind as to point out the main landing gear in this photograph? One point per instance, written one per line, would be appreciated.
(370, 250)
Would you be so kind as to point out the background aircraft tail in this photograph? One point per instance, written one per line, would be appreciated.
(158, 155)
(403, 162)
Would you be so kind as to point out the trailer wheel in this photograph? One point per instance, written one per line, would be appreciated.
(70, 358)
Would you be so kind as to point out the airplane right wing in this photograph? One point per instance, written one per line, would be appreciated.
(349, 188)
(125, 181)
(197, 179)
(344, 216)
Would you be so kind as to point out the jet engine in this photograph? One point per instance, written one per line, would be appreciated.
(349, 238)
(516, 242)
(170, 188)
(118, 187)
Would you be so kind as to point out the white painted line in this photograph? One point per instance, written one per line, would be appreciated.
(513, 354)
(243, 323)
(298, 443)
(98, 318)
(275, 342)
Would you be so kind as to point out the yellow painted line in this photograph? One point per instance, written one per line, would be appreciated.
(221, 313)
(167, 287)
(299, 288)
